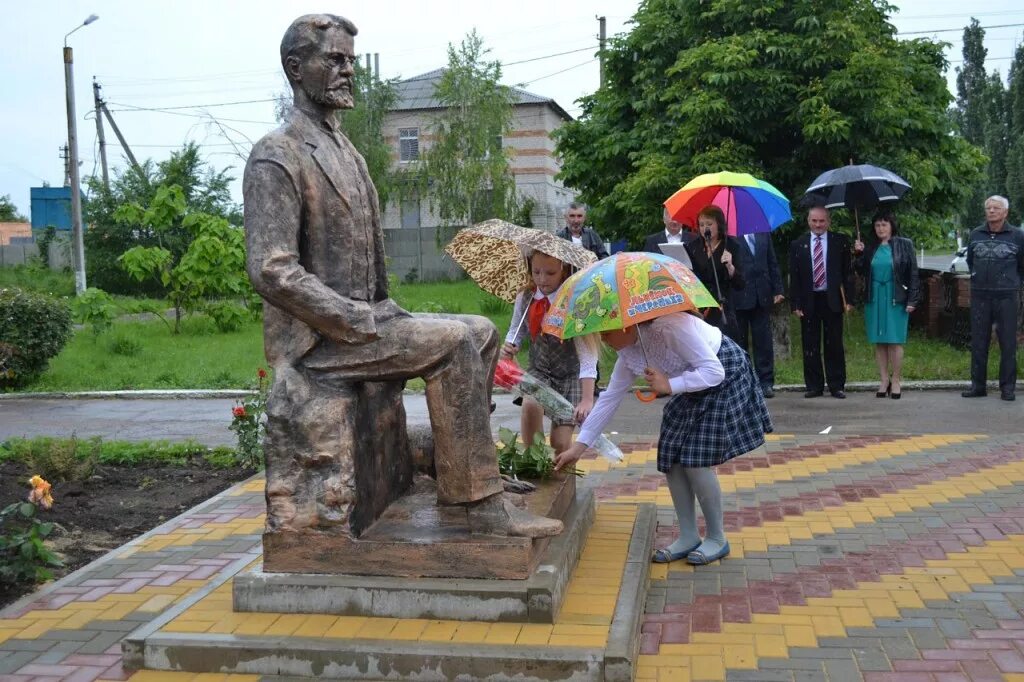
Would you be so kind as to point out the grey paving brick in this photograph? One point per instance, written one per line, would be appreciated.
(927, 638)
(793, 664)
(15, 660)
(826, 653)
(873, 659)
(101, 642)
(26, 645)
(843, 671)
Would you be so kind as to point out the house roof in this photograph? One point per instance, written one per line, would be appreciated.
(418, 93)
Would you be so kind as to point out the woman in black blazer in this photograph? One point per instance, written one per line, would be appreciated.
(712, 254)
(893, 291)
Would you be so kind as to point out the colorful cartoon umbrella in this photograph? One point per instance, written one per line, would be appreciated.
(493, 254)
(621, 291)
(750, 205)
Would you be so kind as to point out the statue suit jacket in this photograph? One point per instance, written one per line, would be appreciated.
(838, 273)
(314, 239)
(760, 272)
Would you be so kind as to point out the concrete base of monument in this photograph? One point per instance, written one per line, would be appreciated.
(535, 599)
(415, 538)
(595, 636)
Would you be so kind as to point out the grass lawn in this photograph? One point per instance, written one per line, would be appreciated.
(144, 355)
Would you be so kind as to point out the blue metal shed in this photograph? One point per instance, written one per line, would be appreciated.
(51, 206)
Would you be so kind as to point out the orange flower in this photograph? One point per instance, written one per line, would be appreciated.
(238, 411)
(40, 495)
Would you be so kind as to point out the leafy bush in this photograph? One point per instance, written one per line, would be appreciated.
(94, 307)
(33, 329)
(228, 317)
(23, 556)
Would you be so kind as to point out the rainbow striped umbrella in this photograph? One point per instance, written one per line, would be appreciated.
(750, 205)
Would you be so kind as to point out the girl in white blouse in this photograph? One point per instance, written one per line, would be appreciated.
(716, 412)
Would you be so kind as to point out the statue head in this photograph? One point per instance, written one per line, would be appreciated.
(318, 56)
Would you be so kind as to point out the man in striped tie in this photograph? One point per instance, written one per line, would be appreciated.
(821, 288)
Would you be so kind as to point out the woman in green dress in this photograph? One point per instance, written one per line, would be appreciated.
(889, 268)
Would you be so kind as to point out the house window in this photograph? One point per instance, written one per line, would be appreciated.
(410, 209)
(494, 148)
(408, 144)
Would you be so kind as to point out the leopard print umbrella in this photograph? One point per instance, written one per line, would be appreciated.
(493, 253)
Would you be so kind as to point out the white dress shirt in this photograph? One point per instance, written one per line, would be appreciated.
(517, 331)
(681, 345)
(676, 238)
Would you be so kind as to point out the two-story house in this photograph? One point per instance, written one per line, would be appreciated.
(407, 128)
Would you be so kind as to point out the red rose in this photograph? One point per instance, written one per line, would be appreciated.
(507, 374)
(261, 373)
(238, 411)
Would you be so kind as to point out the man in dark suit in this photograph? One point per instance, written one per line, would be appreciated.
(752, 305)
(820, 291)
(672, 234)
(577, 233)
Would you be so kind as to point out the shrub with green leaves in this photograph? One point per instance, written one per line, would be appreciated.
(33, 328)
(95, 308)
(117, 452)
(23, 555)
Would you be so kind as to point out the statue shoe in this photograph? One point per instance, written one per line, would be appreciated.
(497, 515)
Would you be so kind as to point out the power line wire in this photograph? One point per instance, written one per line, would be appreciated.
(955, 30)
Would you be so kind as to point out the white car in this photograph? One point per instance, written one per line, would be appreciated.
(959, 262)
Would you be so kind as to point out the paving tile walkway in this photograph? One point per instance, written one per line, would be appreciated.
(874, 558)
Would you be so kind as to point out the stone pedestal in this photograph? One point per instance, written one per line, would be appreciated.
(536, 599)
(416, 538)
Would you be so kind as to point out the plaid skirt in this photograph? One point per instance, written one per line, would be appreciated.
(556, 363)
(713, 426)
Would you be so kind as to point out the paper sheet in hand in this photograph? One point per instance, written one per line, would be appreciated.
(677, 251)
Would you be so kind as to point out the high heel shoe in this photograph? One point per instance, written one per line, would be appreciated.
(895, 395)
(885, 393)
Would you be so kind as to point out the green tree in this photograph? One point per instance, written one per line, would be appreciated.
(1015, 137)
(211, 268)
(972, 85)
(466, 168)
(204, 189)
(783, 90)
(9, 212)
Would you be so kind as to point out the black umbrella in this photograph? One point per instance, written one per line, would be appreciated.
(856, 187)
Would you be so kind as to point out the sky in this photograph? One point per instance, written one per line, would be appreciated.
(218, 59)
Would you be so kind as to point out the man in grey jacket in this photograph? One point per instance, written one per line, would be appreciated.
(995, 257)
(574, 231)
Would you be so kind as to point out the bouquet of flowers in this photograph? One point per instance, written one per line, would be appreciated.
(511, 376)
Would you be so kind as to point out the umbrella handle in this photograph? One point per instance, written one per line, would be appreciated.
(645, 396)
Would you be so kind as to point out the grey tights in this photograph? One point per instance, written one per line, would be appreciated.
(685, 484)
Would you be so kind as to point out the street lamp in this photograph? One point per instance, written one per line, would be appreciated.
(77, 245)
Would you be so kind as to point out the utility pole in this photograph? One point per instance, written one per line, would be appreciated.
(601, 39)
(98, 104)
(77, 243)
(120, 138)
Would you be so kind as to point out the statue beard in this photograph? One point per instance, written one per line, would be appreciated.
(339, 98)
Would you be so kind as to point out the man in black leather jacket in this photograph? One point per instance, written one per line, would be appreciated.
(995, 257)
